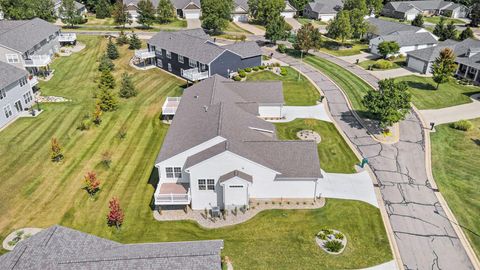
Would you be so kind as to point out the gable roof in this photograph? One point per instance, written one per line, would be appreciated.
(10, 74)
(429, 54)
(325, 6)
(215, 108)
(382, 27)
(79, 6)
(196, 44)
(241, 3)
(62, 248)
(23, 35)
(181, 4)
(411, 38)
(402, 6)
(235, 173)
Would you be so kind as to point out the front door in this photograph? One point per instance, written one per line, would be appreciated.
(18, 106)
(236, 195)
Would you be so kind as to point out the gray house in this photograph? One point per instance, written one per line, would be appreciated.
(324, 10)
(467, 57)
(58, 248)
(15, 93)
(192, 54)
(407, 10)
(188, 9)
(81, 9)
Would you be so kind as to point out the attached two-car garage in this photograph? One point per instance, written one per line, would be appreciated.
(419, 65)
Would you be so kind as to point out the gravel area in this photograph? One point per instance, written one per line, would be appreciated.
(256, 206)
(309, 135)
(42, 99)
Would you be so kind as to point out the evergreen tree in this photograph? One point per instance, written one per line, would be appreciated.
(276, 29)
(112, 51)
(450, 32)
(444, 66)
(418, 21)
(439, 29)
(120, 15)
(308, 37)
(106, 100)
(134, 42)
(127, 90)
(216, 14)
(262, 10)
(340, 27)
(165, 11)
(467, 33)
(390, 103)
(102, 9)
(146, 13)
(69, 13)
(106, 64)
(122, 38)
(107, 80)
(475, 14)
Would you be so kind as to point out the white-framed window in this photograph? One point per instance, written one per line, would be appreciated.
(3, 94)
(160, 63)
(178, 172)
(202, 184)
(169, 67)
(12, 58)
(159, 52)
(23, 81)
(203, 67)
(8, 111)
(169, 54)
(180, 59)
(192, 63)
(27, 97)
(169, 171)
(210, 184)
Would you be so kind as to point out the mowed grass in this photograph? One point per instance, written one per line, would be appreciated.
(436, 19)
(315, 23)
(456, 168)
(107, 24)
(334, 47)
(234, 28)
(396, 63)
(297, 90)
(38, 193)
(335, 154)
(425, 96)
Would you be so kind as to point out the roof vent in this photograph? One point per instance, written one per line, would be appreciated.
(195, 97)
(205, 108)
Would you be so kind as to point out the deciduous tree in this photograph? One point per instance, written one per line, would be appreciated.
(374, 6)
(216, 14)
(56, 150)
(97, 115)
(340, 27)
(92, 184)
(263, 10)
(165, 11)
(358, 23)
(387, 48)
(475, 14)
(102, 9)
(467, 33)
(146, 13)
(418, 21)
(115, 215)
(444, 66)
(120, 15)
(276, 29)
(356, 4)
(308, 37)
(69, 13)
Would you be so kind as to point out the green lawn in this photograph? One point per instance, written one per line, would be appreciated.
(107, 24)
(456, 168)
(397, 63)
(314, 22)
(297, 90)
(436, 19)
(233, 28)
(335, 154)
(425, 96)
(334, 47)
(34, 192)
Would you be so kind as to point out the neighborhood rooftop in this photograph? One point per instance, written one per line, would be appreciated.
(326, 6)
(382, 27)
(23, 35)
(62, 248)
(421, 5)
(219, 107)
(178, 4)
(10, 74)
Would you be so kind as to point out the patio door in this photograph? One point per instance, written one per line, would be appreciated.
(18, 106)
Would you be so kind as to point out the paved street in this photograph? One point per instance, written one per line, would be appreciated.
(425, 237)
(455, 113)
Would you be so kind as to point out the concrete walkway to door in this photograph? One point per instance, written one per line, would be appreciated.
(293, 23)
(315, 112)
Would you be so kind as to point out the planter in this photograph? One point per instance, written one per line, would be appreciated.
(331, 241)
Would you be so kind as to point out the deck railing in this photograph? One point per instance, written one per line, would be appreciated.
(38, 60)
(67, 37)
(194, 74)
(144, 54)
(168, 108)
(172, 199)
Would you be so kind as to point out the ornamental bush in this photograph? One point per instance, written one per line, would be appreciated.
(248, 69)
(339, 236)
(242, 74)
(237, 78)
(281, 48)
(283, 71)
(463, 125)
(333, 246)
(383, 64)
(262, 67)
(256, 68)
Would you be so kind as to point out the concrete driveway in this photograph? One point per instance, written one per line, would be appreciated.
(314, 112)
(455, 113)
(194, 23)
(251, 28)
(294, 23)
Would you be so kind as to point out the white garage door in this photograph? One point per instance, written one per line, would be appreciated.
(236, 195)
(411, 17)
(416, 64)
(240, 18)
(192, 14)
(287, 14)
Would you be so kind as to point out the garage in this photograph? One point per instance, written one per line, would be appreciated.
(191, 14)
(240, 17)
(416, 64)
(287, 14)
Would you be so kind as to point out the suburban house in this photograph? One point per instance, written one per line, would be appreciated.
(289, 11)
(188, 9)
(220, 153)
(58, 248)
(323, 10)
(240, 11)
(192, 54)
(408, 37)
(31, 44)
(81, 9)
(15, 93)
(408, 10)
(467, 57)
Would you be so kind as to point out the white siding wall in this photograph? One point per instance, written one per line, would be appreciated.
(326, 17)
(14, 92)
(403, 50)
(234, 195)
(3, 57)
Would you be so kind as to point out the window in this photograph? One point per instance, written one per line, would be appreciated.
(23, 81)
(178, 172)
(210, 184)
(180, 59)
(160, 63)
(169, 55)
(169, 67)
(2, 93)
(12, 58)
(159, 52)
(169, 171)
(27, 97)
(192, 63)
(8, 111)
(201, 184)
(203, 67)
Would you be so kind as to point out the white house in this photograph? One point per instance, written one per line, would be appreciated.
(240, 11)
(219, 152)
(187, 9)
(408, 37)
(408, 10)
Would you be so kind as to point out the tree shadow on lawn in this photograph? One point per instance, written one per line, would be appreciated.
(153, 181)
(421, 85)
(476, 141)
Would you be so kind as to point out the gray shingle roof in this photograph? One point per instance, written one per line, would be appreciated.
(401, 6)
(382, 27)
(242, 3)
(411, 38)
(235, 173)
(218, 107)
(181, 4)
(430, 53)
(326, 6)
(61, 248)
(24, 35)
(10, 74)
(245, 49)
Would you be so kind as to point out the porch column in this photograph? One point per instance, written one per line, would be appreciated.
(477, 76)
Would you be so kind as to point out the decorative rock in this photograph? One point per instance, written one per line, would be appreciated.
(25, 233)
(309, 135)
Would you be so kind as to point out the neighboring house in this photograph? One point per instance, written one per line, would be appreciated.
(58, 248)
(408, 10)
(219, 152)
(240, 11)
(467, 57)
(187, 9)
(289, 11)
(324, 10)
(408, 37)
(15, 93)
(192, 55)
(81, 9)
(31, 44)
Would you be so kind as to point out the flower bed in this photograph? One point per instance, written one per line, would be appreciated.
(331, 241)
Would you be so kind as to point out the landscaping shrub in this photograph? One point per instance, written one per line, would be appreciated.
(281, 48)
(256, 68)
(327, 231)
(237, 78)
(322, 236)
(463, 125)
(262, 67)
(240, 70)
(339, 236)
(84, 125)
(283, 71)
(242, 74)
(383, 64)
(248, 69)
(333, 246)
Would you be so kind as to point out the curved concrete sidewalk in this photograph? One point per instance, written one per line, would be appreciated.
(453, 114)
(391, 265)
(293, 112)
(425, 238)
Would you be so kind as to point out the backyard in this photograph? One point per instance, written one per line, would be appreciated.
(456, 168)
(38, 193)
(297, 90)
(425, 96)
(335, 154)
(107, 24)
